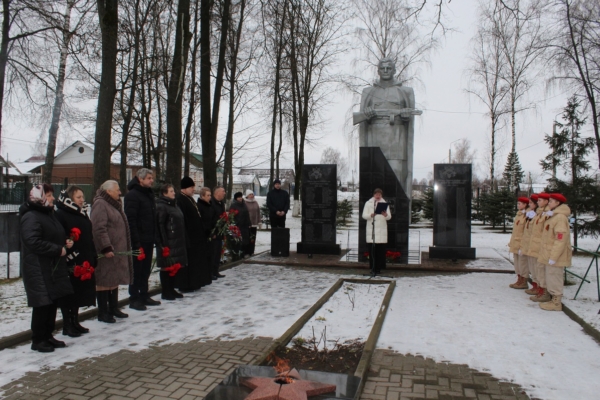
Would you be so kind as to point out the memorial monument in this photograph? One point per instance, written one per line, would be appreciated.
(386, 139)
(452, 212)
(319, 209)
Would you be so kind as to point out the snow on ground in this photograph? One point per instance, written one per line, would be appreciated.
(359, 303)
(252, 300)
(476, 319)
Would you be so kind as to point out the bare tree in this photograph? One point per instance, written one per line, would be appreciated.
(575, 51)
(175, 93)
(463, 153)
(314, 32)
(333, 156)
(390, 28)
(485, 73)
(108, 14)
(518, 26)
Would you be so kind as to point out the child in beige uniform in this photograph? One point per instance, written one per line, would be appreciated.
(555, 251)
(514, 245)
(526, 240)
(537, 225)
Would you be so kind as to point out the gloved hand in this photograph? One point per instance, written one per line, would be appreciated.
(530, 214)
(519, 251)
(549, 213)
(551, 262)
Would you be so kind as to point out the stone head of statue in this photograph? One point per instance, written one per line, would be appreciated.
(386, 69)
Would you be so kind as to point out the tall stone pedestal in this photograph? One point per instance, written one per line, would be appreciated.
(319, 209)
(376, 172)
(452, 212)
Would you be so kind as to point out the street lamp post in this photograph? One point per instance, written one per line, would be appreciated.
(555, 125)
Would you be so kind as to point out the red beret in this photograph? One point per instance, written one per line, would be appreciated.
(534, 197)
(523, 200)
(544, 196)
(559, 197)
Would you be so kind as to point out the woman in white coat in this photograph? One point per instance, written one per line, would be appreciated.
(376, 231)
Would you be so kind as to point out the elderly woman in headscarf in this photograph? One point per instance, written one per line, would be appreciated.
(45, 273)
(112, 241)
(255, 219)
(73, 213)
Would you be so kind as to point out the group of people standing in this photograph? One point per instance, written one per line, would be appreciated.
(541, 245)
(75, 258)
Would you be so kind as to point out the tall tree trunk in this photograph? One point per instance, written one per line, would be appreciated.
(109, 25)
(231, 120)
(208, 142)
(493, 153)
(4, 55)
(192, 102)
(58, 94)
(276, 92)
(131, 103)
(175, 93)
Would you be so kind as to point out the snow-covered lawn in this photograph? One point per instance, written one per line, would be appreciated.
(475, 319)
(348, 314)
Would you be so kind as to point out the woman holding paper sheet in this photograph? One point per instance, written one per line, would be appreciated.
(377, 229)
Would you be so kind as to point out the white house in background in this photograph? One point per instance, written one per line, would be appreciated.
(241, 183)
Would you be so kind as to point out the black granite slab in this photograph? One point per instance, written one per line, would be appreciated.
(376, 172)
(231, 387)
(319, 209)
(452, 211)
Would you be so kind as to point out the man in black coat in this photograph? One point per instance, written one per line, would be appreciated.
(198, 272)
(217, 203)
(278, 202)
(140, 208)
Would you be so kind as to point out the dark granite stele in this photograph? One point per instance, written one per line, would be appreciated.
(376, 172)
(452, 212)
(231, 388)
(319, 209)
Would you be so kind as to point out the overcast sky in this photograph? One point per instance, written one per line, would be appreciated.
(449, 114)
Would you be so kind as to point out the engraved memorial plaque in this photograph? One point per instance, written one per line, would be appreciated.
(319, 208)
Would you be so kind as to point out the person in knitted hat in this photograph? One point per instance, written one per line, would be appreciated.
(514, 245)
(537, 225)
(555, 250)
(278, 201)
(255, 220)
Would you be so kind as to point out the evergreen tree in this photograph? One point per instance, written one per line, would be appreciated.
(497, 207)
(569, 151)
(428, 203)
(344, 212)
(264, 213)
(513, 173)
(416, 208)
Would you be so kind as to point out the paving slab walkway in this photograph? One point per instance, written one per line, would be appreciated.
(191, 370)
(394, 376)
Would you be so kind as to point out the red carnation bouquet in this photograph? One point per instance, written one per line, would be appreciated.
(74, 236)
(226, 229)
(173, 267)
(392, 256)
(139, 254)
(83, 272)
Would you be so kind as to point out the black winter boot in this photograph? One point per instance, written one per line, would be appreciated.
(113, 304)
(68, 328)
(103, 314)
(75, 319)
